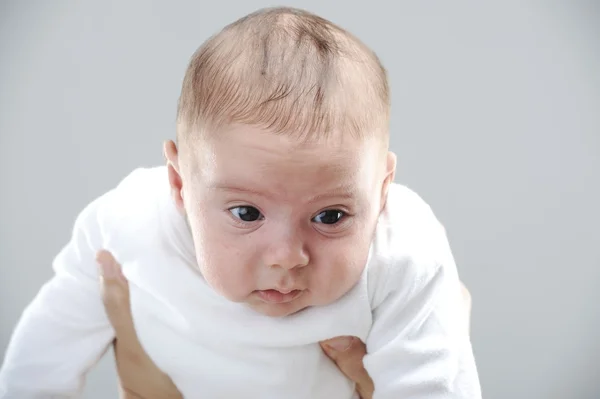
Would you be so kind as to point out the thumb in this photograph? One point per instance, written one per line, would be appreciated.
(115, 295)
(347, 353)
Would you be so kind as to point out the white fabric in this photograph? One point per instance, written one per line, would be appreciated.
(405, 307)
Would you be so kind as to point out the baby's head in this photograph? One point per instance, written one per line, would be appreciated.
(281, 164)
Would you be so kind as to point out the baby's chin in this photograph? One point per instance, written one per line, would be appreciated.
(277, 310)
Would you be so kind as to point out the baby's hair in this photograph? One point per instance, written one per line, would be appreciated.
(288, 71)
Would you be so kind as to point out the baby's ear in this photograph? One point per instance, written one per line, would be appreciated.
(389, 175)
(175, 181)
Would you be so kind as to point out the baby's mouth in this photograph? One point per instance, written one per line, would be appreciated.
(274, 296)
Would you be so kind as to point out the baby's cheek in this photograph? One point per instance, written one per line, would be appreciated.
(226, 272)
(345, 271)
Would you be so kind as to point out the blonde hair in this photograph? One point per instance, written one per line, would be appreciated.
(288, 71)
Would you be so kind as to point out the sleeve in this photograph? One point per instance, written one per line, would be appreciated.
(418, 347)
(64, 331)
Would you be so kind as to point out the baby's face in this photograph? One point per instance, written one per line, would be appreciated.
(280, 225)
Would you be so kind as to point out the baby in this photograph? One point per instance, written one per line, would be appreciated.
(275, 224)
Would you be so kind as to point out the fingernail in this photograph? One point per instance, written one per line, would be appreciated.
(108, 268)
(340, 344)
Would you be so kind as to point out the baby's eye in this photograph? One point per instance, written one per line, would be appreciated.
(246, 213)
(331, 216)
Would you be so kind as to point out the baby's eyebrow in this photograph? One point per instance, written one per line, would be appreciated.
(346, 191)
(237, 189)
(343, 191)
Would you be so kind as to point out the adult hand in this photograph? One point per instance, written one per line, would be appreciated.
(140, 378)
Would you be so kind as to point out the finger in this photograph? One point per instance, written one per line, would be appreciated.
(347, 353)
(126, 393)
(115, 295)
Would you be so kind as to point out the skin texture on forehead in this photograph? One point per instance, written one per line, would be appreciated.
(281, 164)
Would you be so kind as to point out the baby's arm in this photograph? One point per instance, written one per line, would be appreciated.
(419, 347)
(64, 331)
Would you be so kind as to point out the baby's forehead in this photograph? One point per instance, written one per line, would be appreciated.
(279, 166)
(333, 152)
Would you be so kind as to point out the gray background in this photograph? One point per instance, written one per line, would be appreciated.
(496, 121)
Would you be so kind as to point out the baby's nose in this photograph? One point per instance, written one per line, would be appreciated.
(287, 254)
